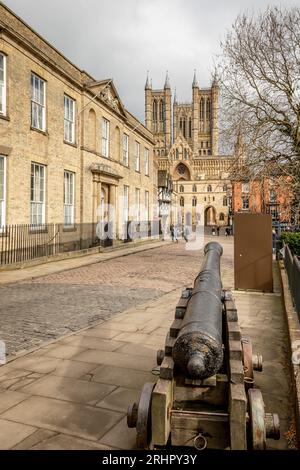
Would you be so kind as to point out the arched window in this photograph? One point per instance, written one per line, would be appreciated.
(194, 201)
(180, 124)
(224, 201)
(186, 154)
(225, 187)
(161, 111)
(209, 188)
(201, 109)
(194, 188)
(158, 153)
(190, 128)
(184, 127)
(181, 188)
(208, 106)
(177, 154)
(213, 198)
(154, 117)
(182, 201)
(221, 217)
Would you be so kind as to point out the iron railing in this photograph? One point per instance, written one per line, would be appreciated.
(292, 267)
(21, 243)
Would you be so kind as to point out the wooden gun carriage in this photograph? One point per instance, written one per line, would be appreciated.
(205, 396)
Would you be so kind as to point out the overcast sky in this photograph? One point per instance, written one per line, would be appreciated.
(125, 38)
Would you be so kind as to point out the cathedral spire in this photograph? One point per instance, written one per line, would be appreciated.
(195, 81)
(167, 82)
(215, 80)
(148, 85)
(175, 96)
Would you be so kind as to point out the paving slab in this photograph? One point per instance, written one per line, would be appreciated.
(119, 399)
(68, 389)
(12, 433)
(68, 418)
(116, 359)
(9, 399)
(120, 377)
(37, 438)
(62, 442)
(120, 436)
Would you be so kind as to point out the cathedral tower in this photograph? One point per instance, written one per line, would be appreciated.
(158, 115)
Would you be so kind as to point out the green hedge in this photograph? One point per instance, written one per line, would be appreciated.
(292, 239)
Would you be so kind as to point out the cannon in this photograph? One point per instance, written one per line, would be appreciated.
(205, 396)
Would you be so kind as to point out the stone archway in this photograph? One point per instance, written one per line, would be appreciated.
(210, 216)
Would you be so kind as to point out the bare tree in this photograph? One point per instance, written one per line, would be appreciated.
(259, 74)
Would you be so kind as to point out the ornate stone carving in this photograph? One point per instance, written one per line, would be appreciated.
(107, 96)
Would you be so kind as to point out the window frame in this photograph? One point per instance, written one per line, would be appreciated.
(125, 151)
(137, 156)
(35, 105)
(3, 201)
(38, 203)
(147, 157)
(68, 121)
(3, 88)
(244, 198)
(68, 204)
(105, 147)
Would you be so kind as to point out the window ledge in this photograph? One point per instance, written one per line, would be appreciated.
(72, 144)
(5, 117)
(69, 228)
(39, 131)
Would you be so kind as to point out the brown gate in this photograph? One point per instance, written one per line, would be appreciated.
(253, 252)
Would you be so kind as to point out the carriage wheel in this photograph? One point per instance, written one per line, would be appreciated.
(139, 416)
(258, 432)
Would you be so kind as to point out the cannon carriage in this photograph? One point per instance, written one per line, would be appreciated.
(205, 396)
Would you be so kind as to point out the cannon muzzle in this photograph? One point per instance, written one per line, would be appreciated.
(198, 350)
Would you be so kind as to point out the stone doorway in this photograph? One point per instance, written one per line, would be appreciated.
(210, 216)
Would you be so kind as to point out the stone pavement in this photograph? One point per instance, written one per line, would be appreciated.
(74, 393)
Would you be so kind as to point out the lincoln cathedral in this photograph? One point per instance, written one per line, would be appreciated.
(186, 138)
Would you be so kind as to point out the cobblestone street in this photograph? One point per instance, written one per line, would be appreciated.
(46, 308)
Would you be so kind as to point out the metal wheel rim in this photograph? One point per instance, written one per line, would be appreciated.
(257, 419)
(143, 425)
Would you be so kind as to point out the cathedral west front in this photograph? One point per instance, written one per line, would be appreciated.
(186, 147)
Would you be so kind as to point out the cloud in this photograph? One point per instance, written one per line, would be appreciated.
(125, 38)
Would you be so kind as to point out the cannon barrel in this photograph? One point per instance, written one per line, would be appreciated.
(198, 349)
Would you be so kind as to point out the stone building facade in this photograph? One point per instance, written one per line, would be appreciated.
(68, 145)
(187, 148)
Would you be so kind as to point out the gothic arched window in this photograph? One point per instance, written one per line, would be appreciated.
(154, 117)
(184, 127)
(161, 111)
(177, 154)
(209, 188)
(186, 154)
(181, 188)
(224, 201)
(208, 109)
(194, 201)
(201, 109)
(194, 188)
(182, 201)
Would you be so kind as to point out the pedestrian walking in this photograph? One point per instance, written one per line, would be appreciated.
(172, 232)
